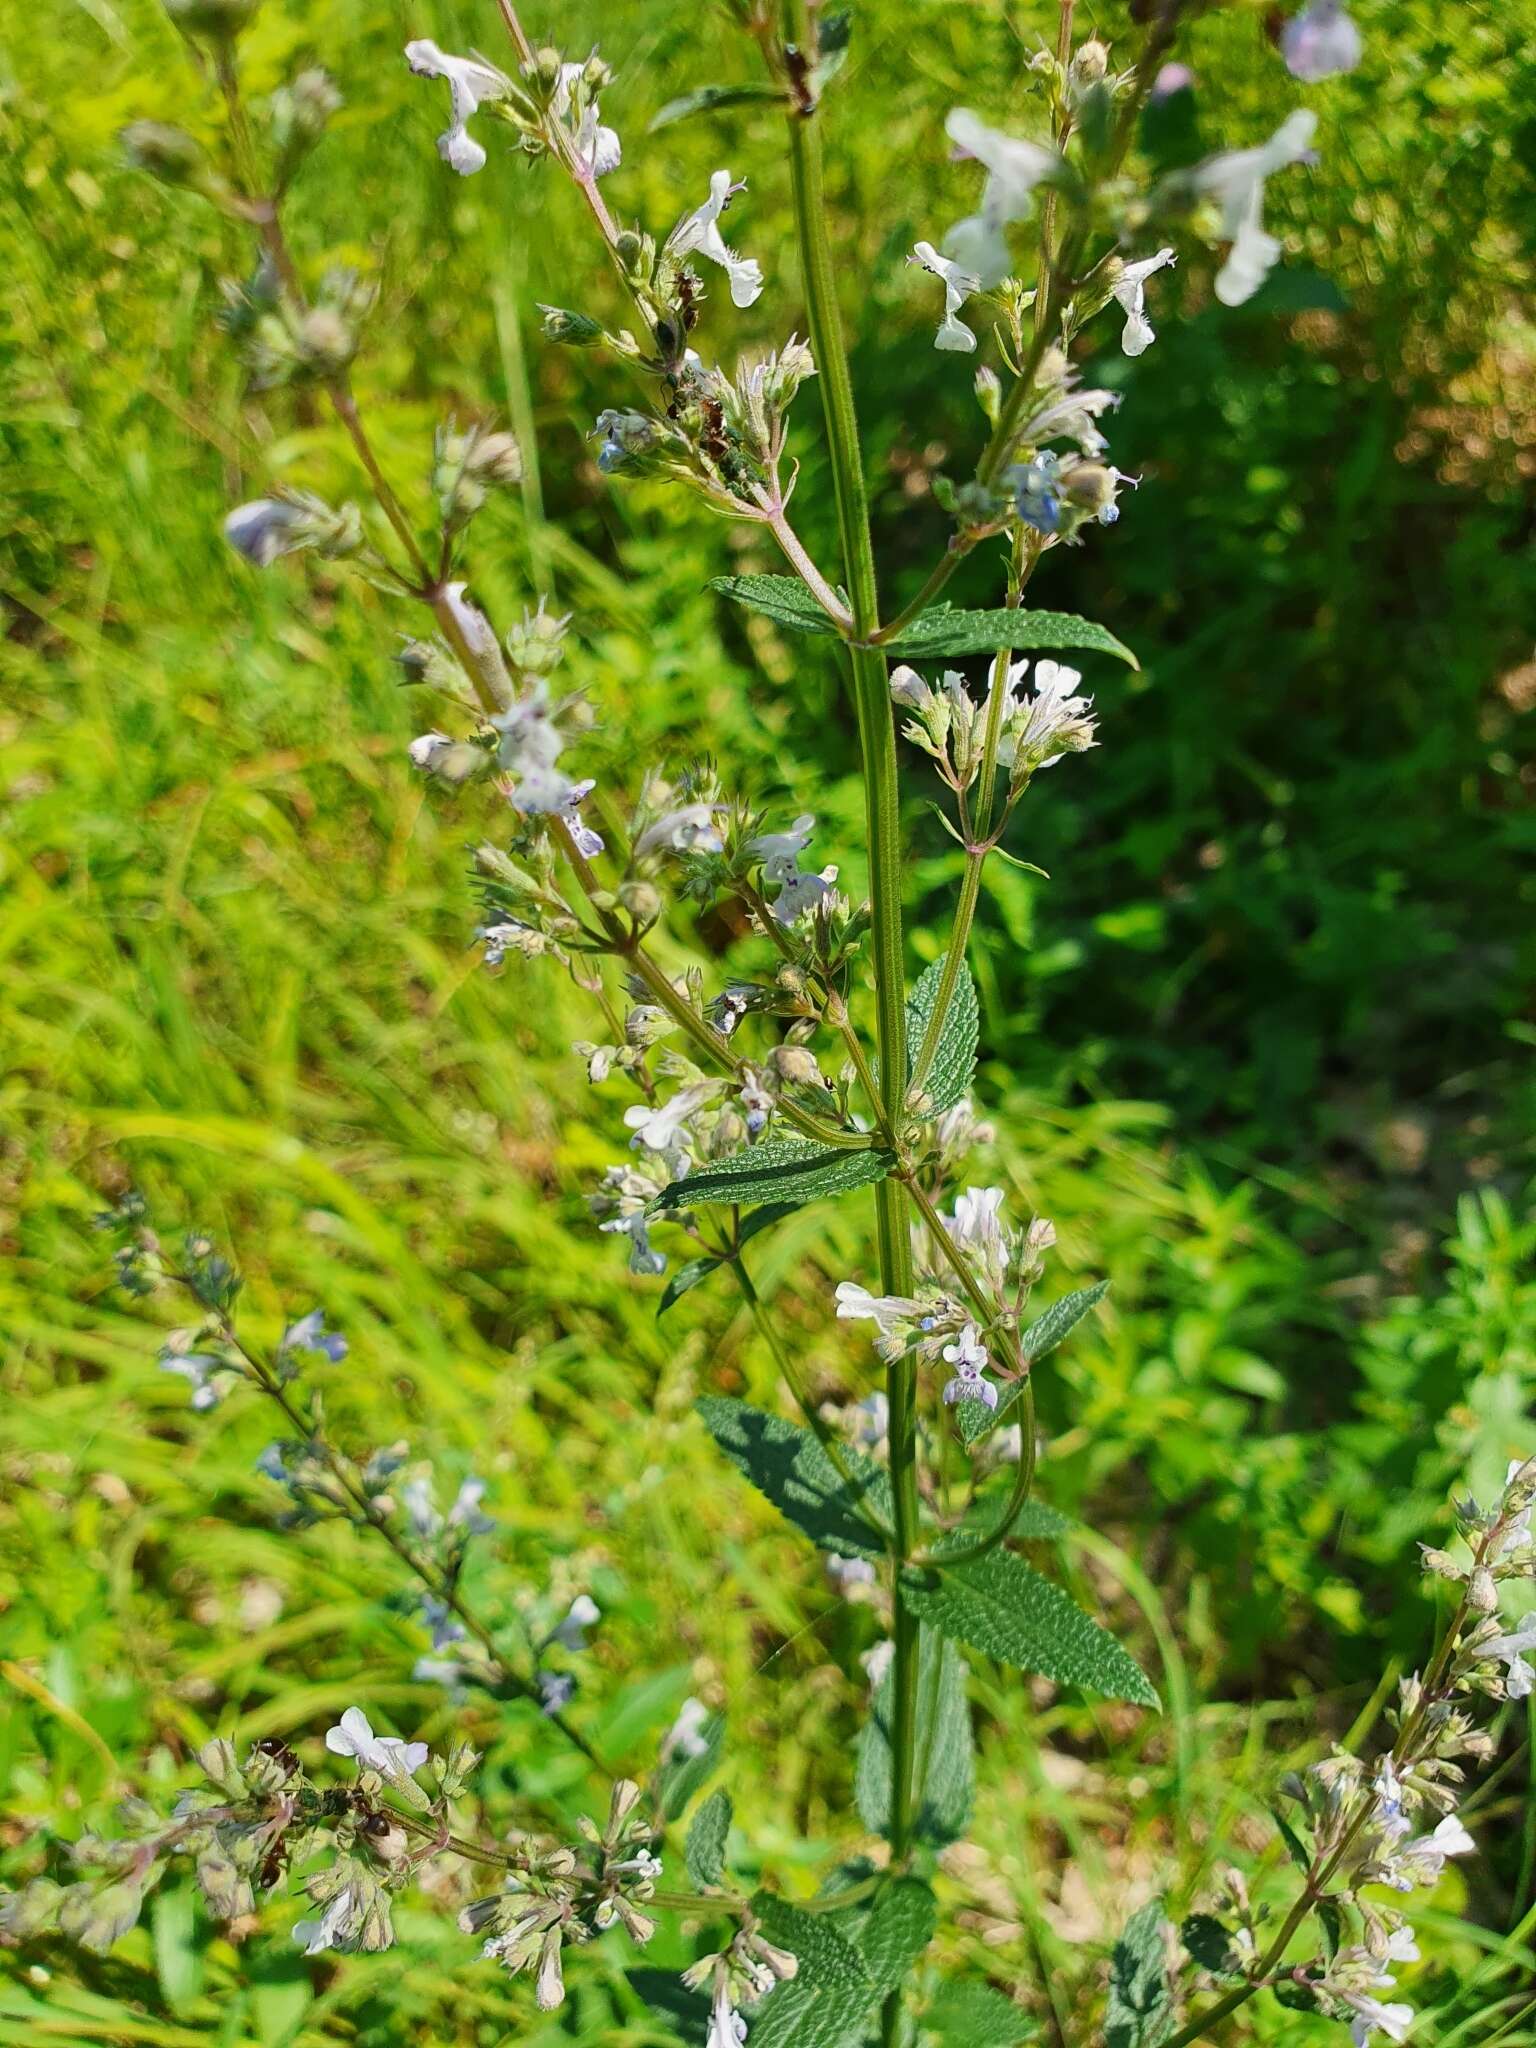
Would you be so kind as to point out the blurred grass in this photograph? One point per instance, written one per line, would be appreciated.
(1260, 1048)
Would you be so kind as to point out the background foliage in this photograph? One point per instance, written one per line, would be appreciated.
(1260, 1046)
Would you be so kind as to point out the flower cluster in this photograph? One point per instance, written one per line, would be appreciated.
(736, 1976)
(570, 1894)
(1033, 731)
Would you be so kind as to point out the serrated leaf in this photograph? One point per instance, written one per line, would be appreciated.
(954, 1060)
(1209, 1942)
(1060, 1319)
(713, 99)
(789, 1467)
(1004, 1608)
(681, 1776)
(897, 1929)
(827, 1959)
(1140, 2012)
(685, 2012)
(800, 2015)
(975, 2016)
(945, 1776)
(786, 1172)
(704, 1849)
(961, 632)
(784, 599)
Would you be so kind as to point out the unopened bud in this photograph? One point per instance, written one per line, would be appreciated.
(560, 324)
(1089, 64)
(627, 248)
(211, 21)
(642, 900)
(988, 392)
(168, 154)
(1482, 1593)
(795, 1065)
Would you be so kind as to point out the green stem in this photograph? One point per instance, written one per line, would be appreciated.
(877, 743)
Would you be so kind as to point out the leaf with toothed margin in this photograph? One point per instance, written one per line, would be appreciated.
(942, 631)
(788, 1172)
(789, 1467)
(686, 1278)
(714, 99)
(784, 599)
(704, 1849)
(1003, 1607)
(973, 1419)
(954, 1059)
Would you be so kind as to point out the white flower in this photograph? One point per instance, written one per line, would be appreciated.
(1519, 1679)
(1237, 180)
(968, 1355)
(332, 1927)
(699, 232)
(262, 530)
(470, 81)
(690, 829)
(1372, 2017)
(959, 285)
(977, 1227)
(877, 1662)
(1422, 1860)
(571, 1633)
(1389, 1815)
(780, 852)
(198, 1369)
(1320, 42)
(800, 895)
(872, 1421)
(1051, 723)
(657, 1126)
(908, 687)
(598, 150)
(1130, 294)
(428, 748)
(847, 1572)
(1517, 1528)
(465, 1512)
(479, 635)
(643, 1258)
(1015, 167)
(686, 1737)
(727, 2028)
(1401, 1948)
(353, 1736)
(892, 1314)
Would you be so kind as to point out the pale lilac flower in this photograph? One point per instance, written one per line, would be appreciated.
(968, 1355)
(977, 1227)
(692, 828)
(1389, 1815)
(1509, 1650)
(1015, 167)
(893, 1315)
(353, 1736)
(644, 1259)
(699, 233)
(1320, 42)
(658, 1126)
(780, 852)
(471, 81)
(198, 1369)
(800, 895)
(440, 1621)
(959, 285)
(421, 1507)
(556, 1691)
(1171, 79)
(1236, 179)
(848, 1572)
(1517, 1526)
(332, 1928)
(262, 530)
(584, 1613)
(310, 1334)
(466, 1513)
(1130, 293)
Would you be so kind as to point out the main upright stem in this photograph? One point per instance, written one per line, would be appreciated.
(877, 742)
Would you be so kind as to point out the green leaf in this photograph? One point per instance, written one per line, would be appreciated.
(1209, 1942)
(786, 1172)
(1296, 1848)
(945, 1767)
(178, 1958)
(897, 1929)
(1331, 1914)
(713, 99)
(685, 1279)
(1059, 1319)
(704, 1850)
(685, 2012)
(832, 48)
(955, 1058)
(942, 631)
(975, 2016)
(827, 1959)
(1004, 1608)
(801, 2015)
(789, 1467)
(784, 599)
(680, 1777)
(1140, 2013)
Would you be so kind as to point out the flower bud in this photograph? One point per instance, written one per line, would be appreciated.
(574, 328)
(536, 645)
(1482, 1593)
(988, 392)
(300, 112)
(211, 21)
(168, 154)
(326, 342)
(795, 1065)
(642, 900)
(1089, 65)
(627, 249)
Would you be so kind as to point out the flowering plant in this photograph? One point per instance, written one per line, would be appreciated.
(812, 1074)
